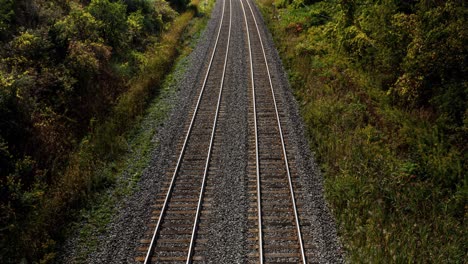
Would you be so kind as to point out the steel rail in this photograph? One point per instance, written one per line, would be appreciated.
(259, 198)
(291, 189)
(202, 190)
(149, 254)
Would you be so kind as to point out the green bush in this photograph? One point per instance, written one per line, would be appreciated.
(113, 17)
(6, 14)
(64, 67)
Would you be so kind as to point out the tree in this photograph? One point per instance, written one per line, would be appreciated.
(113, 17)
(6, 14)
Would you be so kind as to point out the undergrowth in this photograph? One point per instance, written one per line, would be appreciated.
(100, 158)
(395, 177)
(125, 174)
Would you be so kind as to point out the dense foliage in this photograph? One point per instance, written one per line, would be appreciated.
(383, 91)
(65, 65)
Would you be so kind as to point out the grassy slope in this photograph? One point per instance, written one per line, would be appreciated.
(381, 164)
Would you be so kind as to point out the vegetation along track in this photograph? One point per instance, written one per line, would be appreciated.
(178, 215)
(274, 231)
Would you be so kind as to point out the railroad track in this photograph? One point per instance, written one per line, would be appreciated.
(275, 233)
(275, 223)
(185, 198)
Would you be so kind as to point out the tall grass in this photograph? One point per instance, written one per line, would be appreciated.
(395, 182)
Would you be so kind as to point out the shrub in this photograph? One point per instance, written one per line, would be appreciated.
(64, 65)
(6, 14)
(113, 17)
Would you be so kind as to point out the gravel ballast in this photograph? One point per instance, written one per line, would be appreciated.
(230, 204)
(228, 220)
